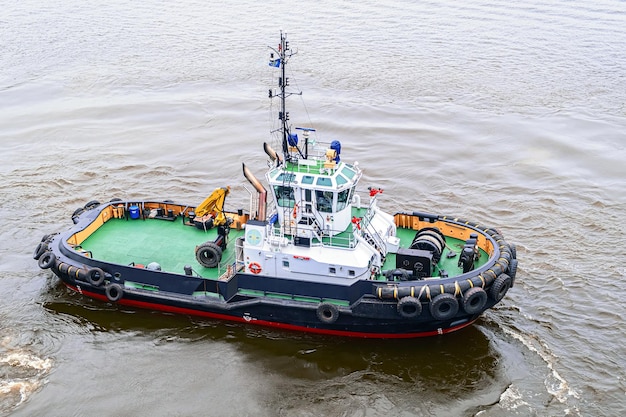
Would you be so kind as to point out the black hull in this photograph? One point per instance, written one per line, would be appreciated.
(367, 318)
(283, 315)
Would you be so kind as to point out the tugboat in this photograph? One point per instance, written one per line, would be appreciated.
(312, 252)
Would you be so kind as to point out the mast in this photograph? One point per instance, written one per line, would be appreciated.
(283, 53)
(283, 82)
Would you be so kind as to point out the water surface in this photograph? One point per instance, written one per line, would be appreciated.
(512, 115)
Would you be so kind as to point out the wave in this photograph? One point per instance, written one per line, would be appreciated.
(556, 385)
(24, 373)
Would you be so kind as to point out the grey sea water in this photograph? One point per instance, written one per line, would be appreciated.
(509, 114)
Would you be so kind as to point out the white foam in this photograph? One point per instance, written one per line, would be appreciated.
(36, 368)
(559, 388)
(511, 398)
(5, 341)
(25, 388)
(26, 360)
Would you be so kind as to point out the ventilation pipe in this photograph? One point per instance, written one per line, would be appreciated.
(260, 189)
(272, 153)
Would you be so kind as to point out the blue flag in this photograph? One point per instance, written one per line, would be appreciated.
(275, 63)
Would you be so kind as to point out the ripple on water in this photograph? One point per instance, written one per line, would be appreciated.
(23, 373)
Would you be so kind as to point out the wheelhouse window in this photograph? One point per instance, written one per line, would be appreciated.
(342, 198)
(284, 196)
(324, 201)
(349, 173)
(324, 181)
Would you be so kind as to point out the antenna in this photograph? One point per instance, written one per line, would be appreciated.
(283, 53)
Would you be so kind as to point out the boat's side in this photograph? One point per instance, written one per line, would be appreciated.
(360, 307)
(284, 315)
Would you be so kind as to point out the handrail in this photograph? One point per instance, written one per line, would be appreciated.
(331, 241)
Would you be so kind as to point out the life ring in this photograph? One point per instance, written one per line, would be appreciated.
(444, 306)
(327, 313)
(409, 307)
(114, 292)
(255, 268)
(295, 211)
(500, 286)
(95, 276)
(39, 250)
(474, 300)
(47, 260)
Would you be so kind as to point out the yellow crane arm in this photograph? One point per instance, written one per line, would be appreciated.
(214, 205)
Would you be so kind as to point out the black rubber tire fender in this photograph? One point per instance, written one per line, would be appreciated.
(95, 276)
(444, 306)
(62, 267)
(47, 260)
(39, 250)
(409, 307)
(114, 292)
(91, 205)
(499, 287)
(327, 313)
(82, 274)
(474, 300)
(512, 271)
(76, 214)
(209, 254)
(73, 272)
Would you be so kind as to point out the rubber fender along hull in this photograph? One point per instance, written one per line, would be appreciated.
(368, 318)
(262, 316)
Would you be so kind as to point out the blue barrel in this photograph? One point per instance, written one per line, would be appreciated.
(336, 146)
(134, 212)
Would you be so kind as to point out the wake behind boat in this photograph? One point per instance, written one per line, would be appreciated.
(311, 253)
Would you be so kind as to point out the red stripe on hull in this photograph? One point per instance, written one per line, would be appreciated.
(276, 325)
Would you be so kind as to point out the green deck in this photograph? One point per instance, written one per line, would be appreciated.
(172, 244)
(448, 264)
